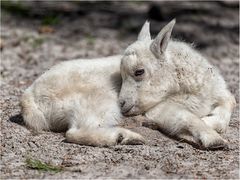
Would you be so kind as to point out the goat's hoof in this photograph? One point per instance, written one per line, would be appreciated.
(220, 144)
(215, 143)
(130, 140)
(133, 142)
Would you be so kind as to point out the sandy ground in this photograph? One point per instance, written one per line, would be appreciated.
(26, 54)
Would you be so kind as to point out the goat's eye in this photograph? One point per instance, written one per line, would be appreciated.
(139, 72)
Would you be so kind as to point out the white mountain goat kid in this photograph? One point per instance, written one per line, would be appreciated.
(167, 81)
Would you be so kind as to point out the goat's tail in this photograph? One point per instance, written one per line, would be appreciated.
(32, 115)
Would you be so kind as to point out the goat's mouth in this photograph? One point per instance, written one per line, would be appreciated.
(126, 112)
(131, 111)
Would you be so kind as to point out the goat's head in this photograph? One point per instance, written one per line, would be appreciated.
(142, 71)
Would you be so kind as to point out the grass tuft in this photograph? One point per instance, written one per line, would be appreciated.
(50, 20)
(38, 165)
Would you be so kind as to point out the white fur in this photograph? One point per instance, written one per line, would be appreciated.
(179, 90)
(82, 96)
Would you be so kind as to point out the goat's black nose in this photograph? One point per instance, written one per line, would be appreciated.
(122, 103)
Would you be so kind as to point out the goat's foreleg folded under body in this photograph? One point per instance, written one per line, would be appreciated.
(176, 120)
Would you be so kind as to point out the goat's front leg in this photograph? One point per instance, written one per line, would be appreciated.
(177, 121)
(220, 116)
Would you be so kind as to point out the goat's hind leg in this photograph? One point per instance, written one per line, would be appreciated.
(33, 115)
(107, 136)
(99, 129)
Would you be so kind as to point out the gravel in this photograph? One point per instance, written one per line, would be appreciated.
(26, 53)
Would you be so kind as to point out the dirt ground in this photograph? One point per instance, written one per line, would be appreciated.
(32, 42)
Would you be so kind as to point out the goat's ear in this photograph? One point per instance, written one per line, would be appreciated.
(144, 34)
(160, 43)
